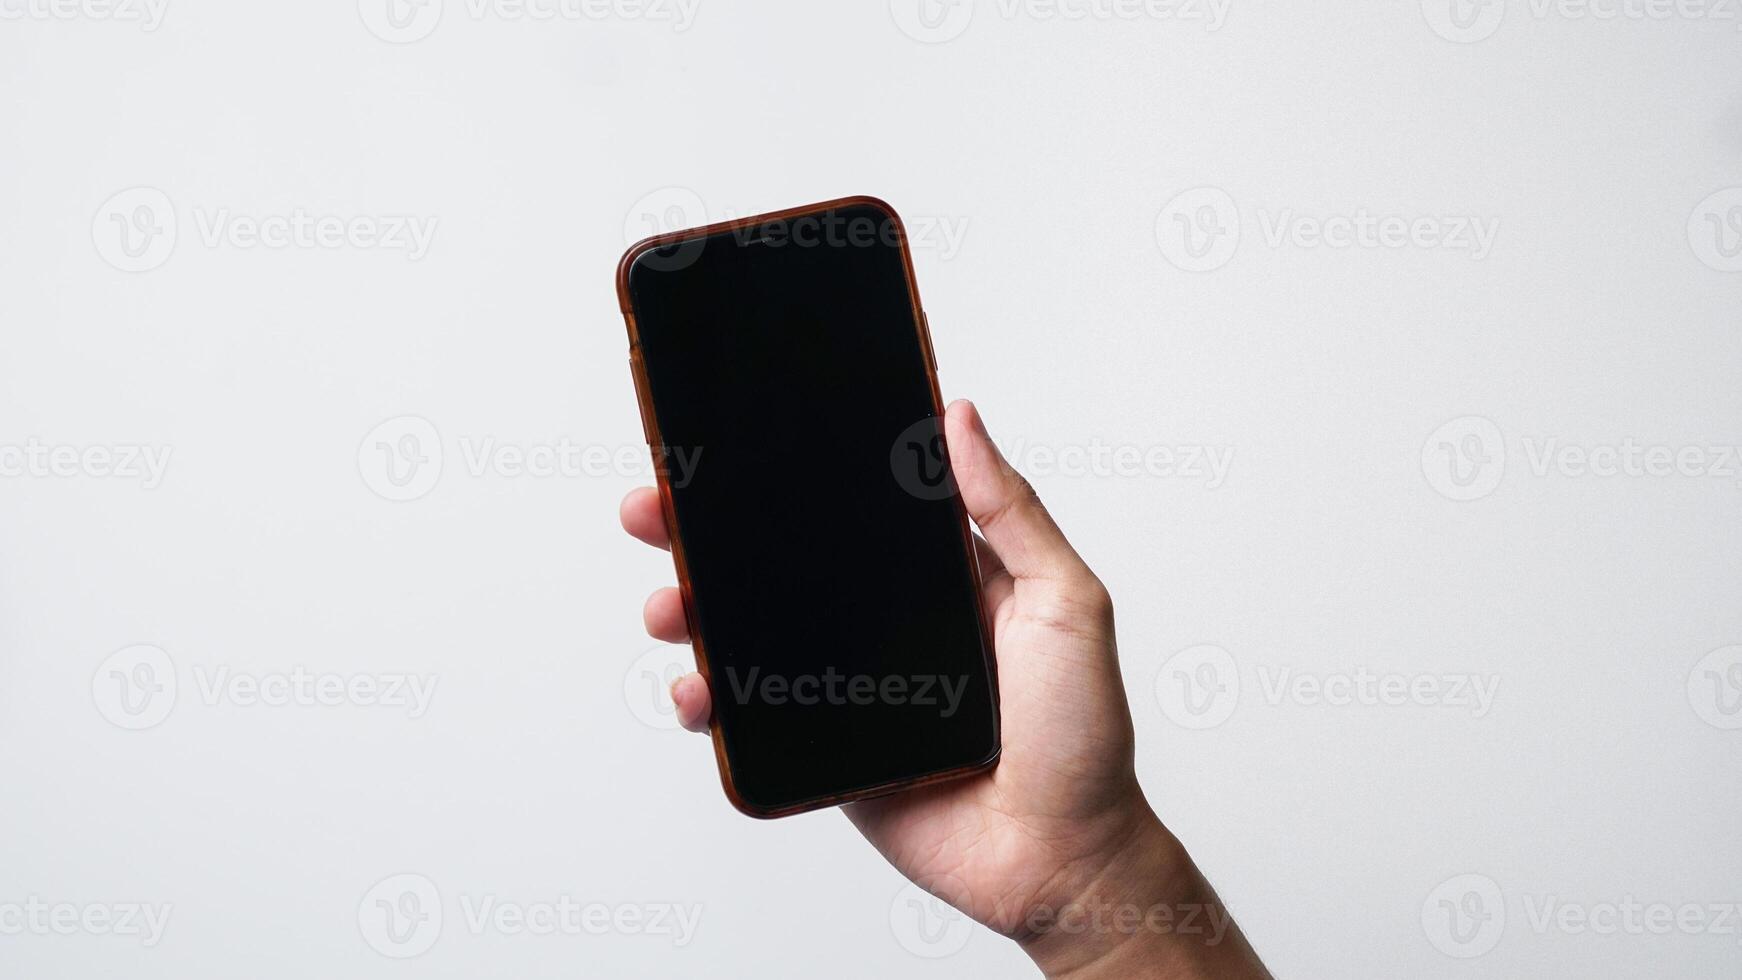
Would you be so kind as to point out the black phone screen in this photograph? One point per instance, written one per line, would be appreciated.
(831, 585)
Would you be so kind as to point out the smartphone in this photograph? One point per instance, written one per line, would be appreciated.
(789, 396)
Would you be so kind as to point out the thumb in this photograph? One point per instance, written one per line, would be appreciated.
(1001, 502)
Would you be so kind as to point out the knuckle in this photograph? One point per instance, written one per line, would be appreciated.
(1078, 608)
(1096, 596)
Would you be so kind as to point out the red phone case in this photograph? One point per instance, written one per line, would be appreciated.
(650, 426)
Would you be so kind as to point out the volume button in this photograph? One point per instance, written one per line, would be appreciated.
(925, 331)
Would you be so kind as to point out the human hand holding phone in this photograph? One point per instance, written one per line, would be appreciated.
(1056, 847)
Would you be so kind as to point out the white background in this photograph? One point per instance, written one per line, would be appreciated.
(1605, 311)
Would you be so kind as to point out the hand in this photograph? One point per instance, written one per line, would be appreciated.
(1055, 847)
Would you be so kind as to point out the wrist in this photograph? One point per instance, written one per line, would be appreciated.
(1141, 910)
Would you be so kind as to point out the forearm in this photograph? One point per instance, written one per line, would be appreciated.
(1147, 913)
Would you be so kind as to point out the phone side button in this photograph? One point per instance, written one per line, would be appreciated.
(925, 332)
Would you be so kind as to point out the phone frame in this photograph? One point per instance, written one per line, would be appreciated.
(650, 428)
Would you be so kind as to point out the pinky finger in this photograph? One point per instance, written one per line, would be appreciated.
(694, 704)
